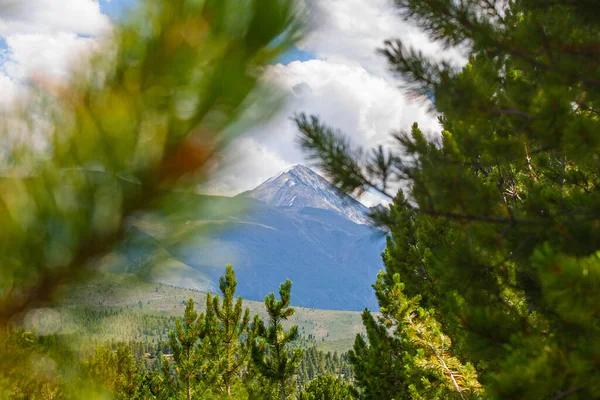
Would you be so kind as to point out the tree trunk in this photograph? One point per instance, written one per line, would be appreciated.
(189, 389)
(187, 377)
(283, 390)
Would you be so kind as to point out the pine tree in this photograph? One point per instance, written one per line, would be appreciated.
(188, 357)
(408, 355)
(377, 362)
(116, 371)
(271, 353)
(328, 387)
(510, 188)
(430, 369)
(227, 331)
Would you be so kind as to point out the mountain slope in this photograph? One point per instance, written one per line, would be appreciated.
(331, 260)
(295, 226)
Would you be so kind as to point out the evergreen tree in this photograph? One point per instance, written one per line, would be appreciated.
(414, 360)
(188, 357)
(117, 372)
(227, 332)
(315, 362)
(510, 188)
(327, 387)
(271, 352)
(431, 371)
(377, 362)
(258, 386)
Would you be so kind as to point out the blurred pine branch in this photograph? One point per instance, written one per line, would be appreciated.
(147, 113)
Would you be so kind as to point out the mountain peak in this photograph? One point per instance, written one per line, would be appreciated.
(299, 187)
(299, 167)
(298, 171)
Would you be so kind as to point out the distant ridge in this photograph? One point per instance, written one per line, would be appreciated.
(295, 225)
(301, 187)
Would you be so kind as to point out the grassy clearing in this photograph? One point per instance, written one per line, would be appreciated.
(121, 307)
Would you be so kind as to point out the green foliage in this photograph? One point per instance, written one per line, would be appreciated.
(327, 387)
(188, 356)
(188, 365)
(210, 350)
(143, 120)
(271, 352)
(430, 369)
(408, 355)
(227, 326)
(315, 363)
(494, 245)
(118, 373)
(31, 375)
(145, 113)
(377, 362)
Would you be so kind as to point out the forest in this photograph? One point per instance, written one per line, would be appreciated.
(489, 280)
(215, 354)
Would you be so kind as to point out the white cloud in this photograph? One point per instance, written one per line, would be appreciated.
(349, 87)
(350, 31)
(52, 16)
(45, 38)
(50, 55)
(364, 106)
(246, 165)
(8, 91)
(371, 199)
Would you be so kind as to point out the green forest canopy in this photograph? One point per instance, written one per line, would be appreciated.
(491, 266)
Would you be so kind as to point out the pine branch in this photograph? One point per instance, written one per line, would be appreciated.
(95, 131)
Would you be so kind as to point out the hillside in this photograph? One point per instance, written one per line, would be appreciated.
(144, 310)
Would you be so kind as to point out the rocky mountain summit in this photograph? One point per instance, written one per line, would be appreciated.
(300, 187)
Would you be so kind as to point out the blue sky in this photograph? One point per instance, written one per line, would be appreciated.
(115, 8)
(296, 55)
